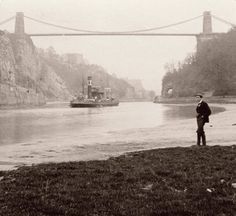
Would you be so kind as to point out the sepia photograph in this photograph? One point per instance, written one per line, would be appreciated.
(118, 107)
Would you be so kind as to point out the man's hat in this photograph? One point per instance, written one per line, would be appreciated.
(199, 95)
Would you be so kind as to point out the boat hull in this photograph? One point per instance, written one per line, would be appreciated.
(95, 104)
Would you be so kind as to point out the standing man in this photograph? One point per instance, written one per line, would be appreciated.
(203, 112)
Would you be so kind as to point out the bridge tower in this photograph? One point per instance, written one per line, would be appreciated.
(19, 24)
(207, 24)
(207, 33)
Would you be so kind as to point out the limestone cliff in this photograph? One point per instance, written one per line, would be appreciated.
(24, 77)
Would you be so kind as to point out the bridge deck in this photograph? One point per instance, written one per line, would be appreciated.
(118, 34)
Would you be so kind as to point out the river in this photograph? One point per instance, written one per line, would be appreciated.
(57, 132)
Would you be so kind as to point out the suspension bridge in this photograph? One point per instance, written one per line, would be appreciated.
(206, 33)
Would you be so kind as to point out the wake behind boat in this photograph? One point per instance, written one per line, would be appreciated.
(95, 97)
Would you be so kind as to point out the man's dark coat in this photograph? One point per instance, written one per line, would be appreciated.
(203, 111)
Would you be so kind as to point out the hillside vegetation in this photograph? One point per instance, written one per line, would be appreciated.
(211, 69)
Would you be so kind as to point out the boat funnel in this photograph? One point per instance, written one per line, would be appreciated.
(89, 87)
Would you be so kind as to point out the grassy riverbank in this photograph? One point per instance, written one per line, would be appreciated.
(171, 181)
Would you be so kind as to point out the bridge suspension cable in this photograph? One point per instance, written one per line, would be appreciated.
(114, 32)
(224, 21)
(166, 26)
(7, 20)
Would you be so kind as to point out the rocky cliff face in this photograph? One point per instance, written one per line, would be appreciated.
(24, 77)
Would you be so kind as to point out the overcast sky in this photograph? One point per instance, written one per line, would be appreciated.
(133, 57)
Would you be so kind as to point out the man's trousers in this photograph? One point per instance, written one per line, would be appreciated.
(200, 131)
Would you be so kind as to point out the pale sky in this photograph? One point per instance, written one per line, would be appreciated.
(133, 57)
